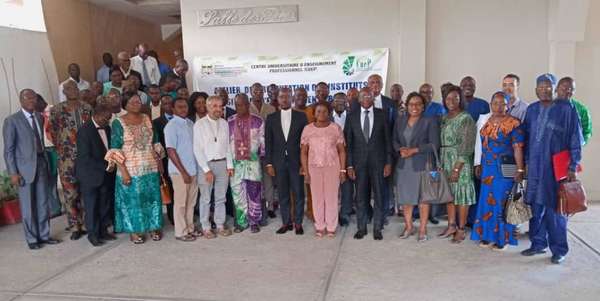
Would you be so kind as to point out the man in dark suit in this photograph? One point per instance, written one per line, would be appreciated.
(96, 183)
(27, 166)
(181, 68)
(166, 105)
(283, 131)
(369, 159)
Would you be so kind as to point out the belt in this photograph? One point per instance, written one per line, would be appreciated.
(217, 160)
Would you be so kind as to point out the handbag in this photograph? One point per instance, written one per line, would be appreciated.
(165, 192)
(516, 211)
(433, 186)
(571, 198)
(508, 166)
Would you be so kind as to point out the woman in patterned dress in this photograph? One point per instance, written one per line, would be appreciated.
(136, 151)
(457, 145)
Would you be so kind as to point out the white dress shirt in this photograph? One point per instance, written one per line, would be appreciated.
(340, 119)
(155, 110)
(28, 116)
(483, 119)
(377, 102)
(81, 85)
(102, 134)
(286, 121)
(371, 118)
(211, 142)
(137, 64)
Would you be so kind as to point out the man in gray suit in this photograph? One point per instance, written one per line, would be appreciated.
(28, 168)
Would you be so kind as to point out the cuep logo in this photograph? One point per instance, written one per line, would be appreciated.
(364, 63)
(348, 65)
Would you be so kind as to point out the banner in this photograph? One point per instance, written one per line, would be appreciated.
(340, 70)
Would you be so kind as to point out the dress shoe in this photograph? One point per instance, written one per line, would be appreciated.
(108, 236)
(34, 246)
(254, 229)
(213, 225)
(76, 235)
(344, 222)
(557, 259)
(377, 235)
(50, 241)
(283, 229)
(433, 220)
(299, 229)
(360, 234)
(272, 214)
(95, 242)
(531, 252)
(263, 223)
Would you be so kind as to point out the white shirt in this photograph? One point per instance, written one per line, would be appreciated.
(206, 131)
(377, 102)
(340, 119)
(155, 111)
(371, 118)
(102, 134)
(81, 85)
(137, 64)
(286, 121)
(30, 120)
(483, 119)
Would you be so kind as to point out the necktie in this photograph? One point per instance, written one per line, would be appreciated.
(146, 79)
(367, 126)
(38, 141)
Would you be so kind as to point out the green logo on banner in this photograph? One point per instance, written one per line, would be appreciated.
(348, 66)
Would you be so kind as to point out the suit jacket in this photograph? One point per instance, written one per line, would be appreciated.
(158, 125)
(20, 155)
(90, 166)
(425, 136)
(374, 153)
(276, 146)
(172, 74)
(229, 112)
(388, 107)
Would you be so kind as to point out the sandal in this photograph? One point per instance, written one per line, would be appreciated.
(209, 234)
(485, 244)
(224, 232)
(407, 233)
(331, 234)
(136, 239)
(186, 238)
(451, 230)
(156, 235)
(319, 233)
(459, 236)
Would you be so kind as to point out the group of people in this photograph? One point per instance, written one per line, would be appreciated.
(125, 142)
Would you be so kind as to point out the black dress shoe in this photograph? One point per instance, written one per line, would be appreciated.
(377, 235)
(283, 229)
(95, 242)
(343, 222)
(433, 220)
(34, 246)
(108, 236)
(299, 229)
(263, 223)
(360, 234)
(531, 252)
(557, 259)
(272, 214)
(76, 235)
(50, 241)
(213, 225)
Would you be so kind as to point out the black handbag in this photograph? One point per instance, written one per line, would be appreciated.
(433, 186)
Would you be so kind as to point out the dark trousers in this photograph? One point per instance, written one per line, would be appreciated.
(347, 198)
(288, 180)
(369, 179)
(33, 200)
(548, 228)
(97, 204)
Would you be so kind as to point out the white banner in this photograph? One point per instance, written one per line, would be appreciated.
(340, 70)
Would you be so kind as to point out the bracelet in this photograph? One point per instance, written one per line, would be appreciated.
(521, 170)
(456, 170)
(343, 170)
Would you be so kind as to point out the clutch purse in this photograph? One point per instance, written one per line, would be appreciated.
(508, 166)
(165, 192)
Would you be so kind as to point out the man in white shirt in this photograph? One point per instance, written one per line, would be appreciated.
(74, 75)
(213, 154)
(146, 65)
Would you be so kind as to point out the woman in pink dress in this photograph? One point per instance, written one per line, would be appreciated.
(324, 167)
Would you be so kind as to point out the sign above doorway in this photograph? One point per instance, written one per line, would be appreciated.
(247, 15)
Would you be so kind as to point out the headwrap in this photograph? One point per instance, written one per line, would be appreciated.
(546, 77)
(504, 95)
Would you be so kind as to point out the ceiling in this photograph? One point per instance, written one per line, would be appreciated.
(155, 11)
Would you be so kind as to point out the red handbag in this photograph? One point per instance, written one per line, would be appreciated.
(571, 198)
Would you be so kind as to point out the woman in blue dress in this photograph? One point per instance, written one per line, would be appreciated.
(500, 136)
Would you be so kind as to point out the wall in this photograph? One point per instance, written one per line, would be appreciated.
(81, 32)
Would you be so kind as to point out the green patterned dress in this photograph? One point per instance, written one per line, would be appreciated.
(138, 207)
(458, 144)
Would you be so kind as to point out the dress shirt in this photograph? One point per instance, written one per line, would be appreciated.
(286, 121)
(340, 119)
(155, 111)
(518, 109)
(211, 142)
(103, 74)
(102, 133)
(483, 119)
(81, 85)
(179, 134)
(377, 102)
(371, 118)
(28, 117)
(152, 70)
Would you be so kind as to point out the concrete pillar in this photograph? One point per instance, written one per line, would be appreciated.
(413, 40)
(566, 26)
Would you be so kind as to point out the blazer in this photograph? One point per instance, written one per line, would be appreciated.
(276, 146)
(171, 73)
(425, 136)
(388, 107)
(375, 153)
(20, 155)
(90, 166)
(158, 125)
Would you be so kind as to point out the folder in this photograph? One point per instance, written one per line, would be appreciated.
(560, 163)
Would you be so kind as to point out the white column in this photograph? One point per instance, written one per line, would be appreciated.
(566, 26)
(413, 40)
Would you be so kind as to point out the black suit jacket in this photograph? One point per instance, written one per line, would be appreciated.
(388, 107)
(90, 166)
(375, 153)
(425, 136)
(171, 73)
(276, 146)
(158, 125)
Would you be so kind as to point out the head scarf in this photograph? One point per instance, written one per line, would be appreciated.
(546, 77)
(504, 95)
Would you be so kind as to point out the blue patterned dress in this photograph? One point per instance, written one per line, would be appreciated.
(497, 140)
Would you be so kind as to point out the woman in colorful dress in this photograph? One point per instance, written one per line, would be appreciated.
(457, 145)
(500, 136)
(136, 151)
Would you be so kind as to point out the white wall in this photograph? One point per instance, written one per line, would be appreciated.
(433, 40)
